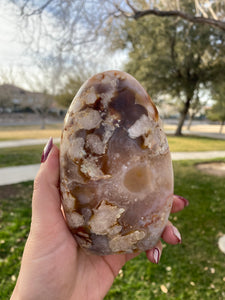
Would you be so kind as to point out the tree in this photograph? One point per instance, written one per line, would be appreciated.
(41, 104)
(64, 31)
(195, 107)
(174, 58)
(217, 112)
(81, 24)
(76, 29)
(67, 93)
(7, 79)
(5, 101)
(204, 11)
(75, 32)
(96, 13)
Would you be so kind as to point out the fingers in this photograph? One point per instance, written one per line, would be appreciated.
(46, 199)
(171, 235)
(154, 254)
(179, 203)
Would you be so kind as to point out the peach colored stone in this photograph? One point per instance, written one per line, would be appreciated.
(115, 167)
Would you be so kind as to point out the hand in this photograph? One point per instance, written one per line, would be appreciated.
(53, 265)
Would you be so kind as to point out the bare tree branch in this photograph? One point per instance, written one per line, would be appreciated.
(199, 7)
(131, 6)
(37, 11)
(211, 10)
(175, 13)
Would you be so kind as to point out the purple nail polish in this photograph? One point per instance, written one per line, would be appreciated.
(46, 150)
(156, 255)
(177, 234)
(186, 202)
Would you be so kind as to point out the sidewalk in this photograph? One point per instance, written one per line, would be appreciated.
(197, 155)
(28, 142)
(18, 174)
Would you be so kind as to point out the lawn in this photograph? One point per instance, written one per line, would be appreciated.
(30, 132)
(20, 155)
(34, 132)
(31, 154)
(15, 211)
(192, 270)
(194, 143)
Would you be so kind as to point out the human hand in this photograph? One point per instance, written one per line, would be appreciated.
(53, 265)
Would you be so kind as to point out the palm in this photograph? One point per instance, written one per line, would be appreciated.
(75, 265)
(99, 272)
(53, 266)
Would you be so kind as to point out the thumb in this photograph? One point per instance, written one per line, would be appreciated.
(46, 204)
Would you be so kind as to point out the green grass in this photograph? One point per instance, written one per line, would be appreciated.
(29, 132)
(194, 143)
(31, 154)
(17, 156)
(192, 270)
(15, 213)
(20, 155)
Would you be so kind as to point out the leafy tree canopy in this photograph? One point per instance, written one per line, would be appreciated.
(173, 57)
(217, 112)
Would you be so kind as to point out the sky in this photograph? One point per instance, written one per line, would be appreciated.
(18, 64)
(10, 47)
(14, 61)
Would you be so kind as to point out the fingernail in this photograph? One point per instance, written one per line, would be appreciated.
(177, 234)
(156, 255)
(186, 202)
(46, 150)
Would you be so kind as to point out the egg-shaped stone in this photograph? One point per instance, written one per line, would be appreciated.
(116, 175)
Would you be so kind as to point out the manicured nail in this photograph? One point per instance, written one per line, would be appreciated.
(46, 150)
(177, 234)
(186, 202)
(156, 255)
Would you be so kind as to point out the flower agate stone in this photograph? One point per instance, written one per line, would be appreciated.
(115, 167)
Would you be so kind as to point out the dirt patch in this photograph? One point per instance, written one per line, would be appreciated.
(212, 168)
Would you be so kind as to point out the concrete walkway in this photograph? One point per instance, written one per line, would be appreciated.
(28, 142)
(197, 155)
(18, 174)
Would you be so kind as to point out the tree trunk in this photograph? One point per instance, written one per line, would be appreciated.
(190, 122)
(221, 127)
(43, 123)
(182, 117)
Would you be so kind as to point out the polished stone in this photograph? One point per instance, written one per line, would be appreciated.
(115, 166)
